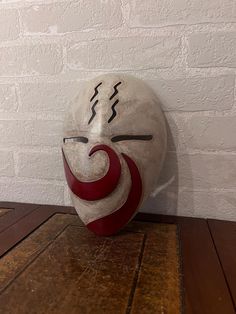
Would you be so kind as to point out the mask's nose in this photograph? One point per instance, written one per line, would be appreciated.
(100, 188)
(100, 127)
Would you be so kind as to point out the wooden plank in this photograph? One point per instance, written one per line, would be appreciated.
(78, 273)
(20, 229)
(166, 219)
(17, 212)
(224, 237)
(18, 258)
(205, 287)
(152, 277)
(12, 204)
(16, 232)
(4, 211)
(206, 290)
(158, 288)
(60, 209)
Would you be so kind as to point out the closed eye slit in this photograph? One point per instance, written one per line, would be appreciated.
(119, 138)
(81, 139)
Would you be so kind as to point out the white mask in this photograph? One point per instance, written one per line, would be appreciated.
(113, 149)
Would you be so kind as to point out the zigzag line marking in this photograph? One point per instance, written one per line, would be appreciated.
(93, 111)
(95, 91)
(113, 111)
(115, 90)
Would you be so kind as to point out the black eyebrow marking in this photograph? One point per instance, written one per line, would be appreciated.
(95, 91)
(93, 111)
(82, 139)
(131, 137)
(113, 111)
(115, 90)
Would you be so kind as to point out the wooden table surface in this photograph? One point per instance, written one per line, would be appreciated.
(208, 252)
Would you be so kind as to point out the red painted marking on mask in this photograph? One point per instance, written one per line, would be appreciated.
(112, 223)
(98, 189)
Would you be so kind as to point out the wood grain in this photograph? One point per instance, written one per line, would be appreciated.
(158, 288)
(16, 232)
(206, 290)
(4, 211)
(17, 211)
(77, 273)
(224, 235)
(205, 287)
(16, 260)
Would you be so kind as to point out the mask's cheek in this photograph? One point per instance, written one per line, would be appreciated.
(85, 168)
(148, 156)
(93, 210)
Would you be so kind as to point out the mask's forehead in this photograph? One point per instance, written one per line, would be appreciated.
(113, 103)
(104, 85)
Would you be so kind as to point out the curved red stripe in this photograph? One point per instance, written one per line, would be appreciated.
(98, 189)
(112, 223)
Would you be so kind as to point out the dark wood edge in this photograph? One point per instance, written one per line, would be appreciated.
(196, 245)
(29, 218)
(205, 287)
(17, 205)
(168, 219)
(148, 217)
(224, 238)
(23, 227)
(19, 210)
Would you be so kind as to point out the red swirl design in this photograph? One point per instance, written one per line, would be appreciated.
(99, 189)
(112, 223)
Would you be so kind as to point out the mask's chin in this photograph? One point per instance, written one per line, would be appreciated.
(89, 211)
(112, 222)
(94, 192)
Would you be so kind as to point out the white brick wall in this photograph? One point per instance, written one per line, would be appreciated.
(124, 53)
(9, 24)
(31, 60)
(69, 16)
(165, 12)
(8, 98)
(212, 50)
(186, 50)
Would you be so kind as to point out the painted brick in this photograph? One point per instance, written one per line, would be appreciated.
(167, 12)
(14, 132)
(8, 99)
(31, 192)
(124, 53)
(201, 132)
(30, 60)
(40, 97)
(216, 133)
(6, 164)
(40, 165)
(9, 25)
(201, 170)
(212, 50)
(195, 93)
(47, 133)
(218, 204)
(71, 16)
(33, 133)
(207, 204)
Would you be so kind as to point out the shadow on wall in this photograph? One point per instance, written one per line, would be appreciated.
(170, 198)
